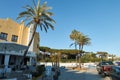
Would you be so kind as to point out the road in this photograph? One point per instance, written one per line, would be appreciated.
(90, 74)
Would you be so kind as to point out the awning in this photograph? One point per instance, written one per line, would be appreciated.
(9, 46)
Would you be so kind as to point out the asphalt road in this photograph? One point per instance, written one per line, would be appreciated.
(90, 74)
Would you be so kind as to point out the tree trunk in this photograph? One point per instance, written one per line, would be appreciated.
(26, 51)
(75, 45)
(79, 61)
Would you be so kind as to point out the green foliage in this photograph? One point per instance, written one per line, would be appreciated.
(79, 39)
(102, 55)
(68, 60)
(40, 69)
(45, 49)
(70, 55)
(62, 51)
(64, 60)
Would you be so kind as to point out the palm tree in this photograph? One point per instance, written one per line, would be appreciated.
(38, 16)
(102, 55)
(73, 36)
(83, 40)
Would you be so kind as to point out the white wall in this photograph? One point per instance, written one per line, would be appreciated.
(70, 64)
(30, 36)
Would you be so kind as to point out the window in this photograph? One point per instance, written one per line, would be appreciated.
(3, 36)
(2, 57)
(107, 63)
(14, 38)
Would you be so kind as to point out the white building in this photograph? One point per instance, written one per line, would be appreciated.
(11, 55)
(14, 39)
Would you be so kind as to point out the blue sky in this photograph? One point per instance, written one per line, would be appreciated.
(99, 19)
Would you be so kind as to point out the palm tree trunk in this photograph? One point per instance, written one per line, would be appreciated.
(26, 51)
(81, 47)
(79, 55)
(75, 45)
(52, 63)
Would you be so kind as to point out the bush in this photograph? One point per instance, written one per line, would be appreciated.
(40, 69)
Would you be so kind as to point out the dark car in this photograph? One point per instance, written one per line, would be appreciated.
(115, 73)
(104, 67)
(117, 63)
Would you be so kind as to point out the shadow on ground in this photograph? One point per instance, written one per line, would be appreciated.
(89, 74)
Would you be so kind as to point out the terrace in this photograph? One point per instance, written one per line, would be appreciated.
(11, 55)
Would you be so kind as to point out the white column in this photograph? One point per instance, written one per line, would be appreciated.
(30, 36)
(6, 61)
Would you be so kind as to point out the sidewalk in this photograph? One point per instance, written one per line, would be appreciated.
(19, 75)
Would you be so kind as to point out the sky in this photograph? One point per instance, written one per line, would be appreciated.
(99, 19)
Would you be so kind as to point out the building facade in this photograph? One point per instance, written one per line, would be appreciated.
(11, 31)
(14, 39)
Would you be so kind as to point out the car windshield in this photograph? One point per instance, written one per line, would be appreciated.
(118, 63)
(107, 63)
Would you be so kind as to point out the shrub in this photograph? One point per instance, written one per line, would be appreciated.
(40, 69)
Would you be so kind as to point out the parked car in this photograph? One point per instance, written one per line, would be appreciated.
(117, 63)
(104, 67)
(115, 73)
(62, 67)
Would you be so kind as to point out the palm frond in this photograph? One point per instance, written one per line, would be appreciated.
(34, 4)
(44, 7)
(46, 24)
(29, 9)
(46, 17)
(38, 14)
(24, 14)
(44, 27)
(29, 23)
(50, 25)
(71, 44)
(49, 13)
(40, 27)
(38, 5)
